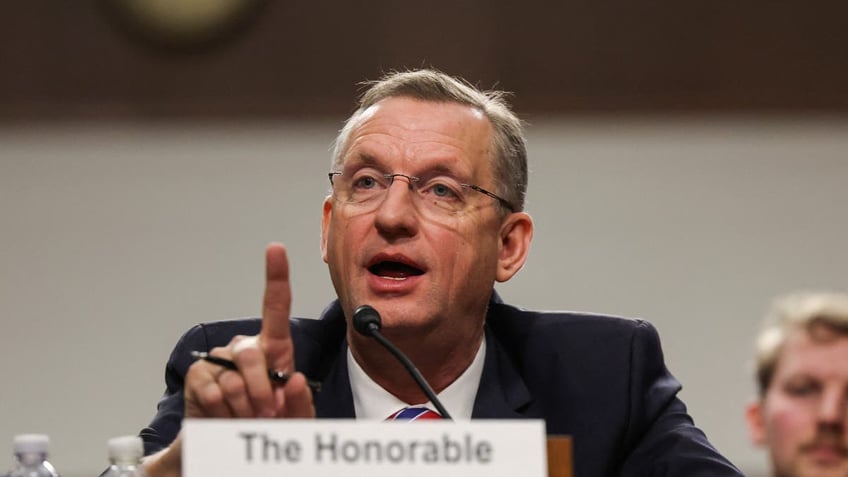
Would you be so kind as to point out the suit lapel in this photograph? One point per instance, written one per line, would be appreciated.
(502, 392)
(322, 351)
(336, 398)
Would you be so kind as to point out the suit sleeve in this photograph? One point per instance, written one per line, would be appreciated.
(662, 437)
(165, 425)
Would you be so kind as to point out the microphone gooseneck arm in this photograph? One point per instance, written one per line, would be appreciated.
(367, 322)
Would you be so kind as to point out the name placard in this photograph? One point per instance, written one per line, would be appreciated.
(324, 447)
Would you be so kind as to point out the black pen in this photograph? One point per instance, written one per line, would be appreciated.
(276, 377)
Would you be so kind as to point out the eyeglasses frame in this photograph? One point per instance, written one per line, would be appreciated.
(391, 178)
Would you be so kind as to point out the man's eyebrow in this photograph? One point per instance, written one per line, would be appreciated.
(367, 158)
(804, 376)
(442, 168)
(363, 159)
(428, 169)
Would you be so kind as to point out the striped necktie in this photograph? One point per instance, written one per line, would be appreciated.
(414, 413)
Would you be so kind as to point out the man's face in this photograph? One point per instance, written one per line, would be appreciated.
(803, 416)
(424, 272)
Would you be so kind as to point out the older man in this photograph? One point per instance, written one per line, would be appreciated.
(425, 216)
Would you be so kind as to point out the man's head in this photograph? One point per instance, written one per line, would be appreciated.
(509, 153)
(425, 214)
(801, 414)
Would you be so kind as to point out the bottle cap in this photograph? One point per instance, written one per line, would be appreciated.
(126, 449)
(31, 443)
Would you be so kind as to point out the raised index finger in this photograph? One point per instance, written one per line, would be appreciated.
(275, 337)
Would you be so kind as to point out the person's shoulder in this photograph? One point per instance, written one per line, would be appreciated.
(244, 325)
(213, 333)
(532, 336)
(562, 321)
(218, 330)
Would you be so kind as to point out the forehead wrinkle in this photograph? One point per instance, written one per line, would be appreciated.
(456, 145)
(413, 160)
(371, 153)
(455, 157)
(441, 166)
(363, 159)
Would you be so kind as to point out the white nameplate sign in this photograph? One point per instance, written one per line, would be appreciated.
(324, 447)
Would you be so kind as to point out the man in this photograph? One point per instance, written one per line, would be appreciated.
(425, 215)
(802, 373)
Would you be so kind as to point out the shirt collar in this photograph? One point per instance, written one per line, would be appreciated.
(370, 401)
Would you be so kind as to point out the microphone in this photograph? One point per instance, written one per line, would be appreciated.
(367, 322)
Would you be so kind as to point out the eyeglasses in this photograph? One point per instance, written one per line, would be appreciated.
(439, 194)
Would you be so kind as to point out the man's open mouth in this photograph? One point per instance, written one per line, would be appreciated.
(392, 269)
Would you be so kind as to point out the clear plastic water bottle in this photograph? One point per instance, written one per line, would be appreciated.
(125, 454)
(31, 452)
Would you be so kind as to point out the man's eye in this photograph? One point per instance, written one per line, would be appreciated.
(801, 389)
(366, 182)
(443, 191)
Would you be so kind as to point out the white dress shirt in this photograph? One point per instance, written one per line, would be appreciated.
(371, 401)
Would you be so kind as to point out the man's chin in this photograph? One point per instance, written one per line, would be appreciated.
(816, 467)
(404, 321)
(395, 307)
(400, 320)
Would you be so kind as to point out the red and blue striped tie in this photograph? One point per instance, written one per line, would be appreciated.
(414, 414)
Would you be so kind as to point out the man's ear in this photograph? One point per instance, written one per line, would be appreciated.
(515, 235)
(325, 225)
(756, 425)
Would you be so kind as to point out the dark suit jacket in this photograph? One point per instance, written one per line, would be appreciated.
(599, 379)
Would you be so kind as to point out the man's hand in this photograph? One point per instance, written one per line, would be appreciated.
(213, 391)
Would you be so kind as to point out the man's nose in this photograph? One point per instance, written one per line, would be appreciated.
(833, 408)
(409, 180)
(396, 215)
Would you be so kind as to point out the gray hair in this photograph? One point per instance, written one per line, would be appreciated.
(510, 161)
(823, 315)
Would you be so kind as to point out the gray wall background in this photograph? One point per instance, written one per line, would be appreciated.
(117, 237)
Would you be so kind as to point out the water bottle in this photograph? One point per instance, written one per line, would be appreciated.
(125, 457)
(31, 452)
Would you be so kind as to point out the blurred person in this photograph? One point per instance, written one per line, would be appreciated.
(425, 214)
(801, 414)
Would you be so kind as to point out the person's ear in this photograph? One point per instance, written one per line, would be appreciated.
(326, 215)
(756, 424)
(516, 232)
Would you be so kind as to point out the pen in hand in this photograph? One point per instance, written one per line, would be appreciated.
(276, 377)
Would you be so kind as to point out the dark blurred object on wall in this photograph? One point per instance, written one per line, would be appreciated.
(117, 59)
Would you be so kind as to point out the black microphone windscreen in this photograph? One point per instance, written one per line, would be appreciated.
(366, 320)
